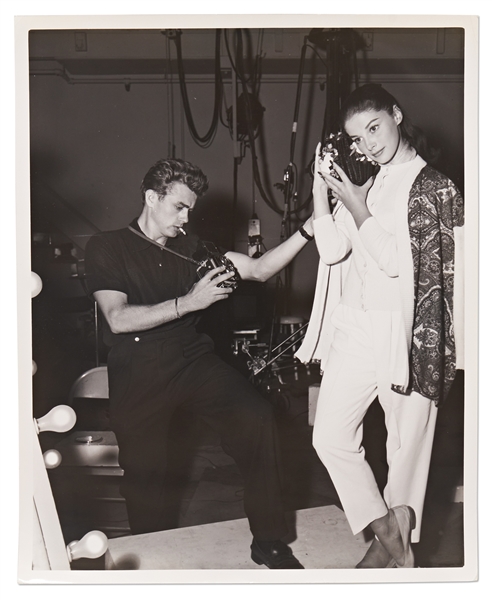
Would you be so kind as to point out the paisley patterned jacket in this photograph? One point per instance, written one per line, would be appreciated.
(435, 208)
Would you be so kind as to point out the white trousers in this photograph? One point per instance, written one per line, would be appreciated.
(356, 372)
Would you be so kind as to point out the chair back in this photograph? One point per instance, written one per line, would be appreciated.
(91, 384)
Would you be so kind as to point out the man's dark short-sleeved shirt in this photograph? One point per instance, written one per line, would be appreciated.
(122, 261)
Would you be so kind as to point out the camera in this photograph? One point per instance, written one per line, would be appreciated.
(216, 260)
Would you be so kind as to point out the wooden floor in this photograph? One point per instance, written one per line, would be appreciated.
(324, 541)
(210, 531)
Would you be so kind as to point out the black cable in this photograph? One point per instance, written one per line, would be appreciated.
(297, 103)
(356, 66)
(205, 140)
(305, 204)
(256, 174)
(234, 203)
(313, 48)
(257, 70)
(221, 116)
(300, 78)
(239, 75)
(249, 61)
(341, 83)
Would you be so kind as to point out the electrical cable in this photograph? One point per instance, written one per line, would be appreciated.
(240, 70)
(221, 116)
(233, 62)
(257, 71)
(252, 65)
(356, 66)
(292, 165)
(206, 140)
(313, 48)
(342, 84)
(170, 102)
(234, 203)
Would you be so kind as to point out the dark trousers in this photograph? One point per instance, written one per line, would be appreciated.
(149, 380)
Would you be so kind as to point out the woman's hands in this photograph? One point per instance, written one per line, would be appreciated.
(320, 186)
(353, 196)
(320, 189)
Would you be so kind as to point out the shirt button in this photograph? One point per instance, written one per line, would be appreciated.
(137, 339)
(160, 264)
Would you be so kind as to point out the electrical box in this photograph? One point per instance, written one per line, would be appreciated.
(254, 237)
(253, 227)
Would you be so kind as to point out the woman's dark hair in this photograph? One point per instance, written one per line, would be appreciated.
(167, 171)
(374, 97)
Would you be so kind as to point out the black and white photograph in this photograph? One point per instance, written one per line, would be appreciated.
(250, 244)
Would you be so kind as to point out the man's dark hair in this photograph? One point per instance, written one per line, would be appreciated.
(167, 171)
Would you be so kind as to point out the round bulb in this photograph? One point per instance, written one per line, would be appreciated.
(93, 545)
(60, 419)
(36, 284)
(52, 459)
(34, 367)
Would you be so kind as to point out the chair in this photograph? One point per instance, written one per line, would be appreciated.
(93, 444)
(91, 384)
(89, 397)
(91, 451)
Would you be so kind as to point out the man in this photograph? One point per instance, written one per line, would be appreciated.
(151, 300)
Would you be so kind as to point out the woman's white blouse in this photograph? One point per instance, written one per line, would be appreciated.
(372, 281)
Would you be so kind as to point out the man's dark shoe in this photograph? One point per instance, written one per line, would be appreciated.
(275, 555)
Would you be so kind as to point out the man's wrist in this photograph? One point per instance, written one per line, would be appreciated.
(181, 306)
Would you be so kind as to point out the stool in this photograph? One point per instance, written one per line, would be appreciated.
(288, 326)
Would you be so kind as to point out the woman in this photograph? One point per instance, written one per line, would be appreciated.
(383, 319)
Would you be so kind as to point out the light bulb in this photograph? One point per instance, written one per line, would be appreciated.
(34, 367)
(36, 284)
(93, 545)
(52, 459)
(60, 419)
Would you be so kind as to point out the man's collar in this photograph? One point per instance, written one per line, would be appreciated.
(140, 243)
(143, 244)
(135, 224)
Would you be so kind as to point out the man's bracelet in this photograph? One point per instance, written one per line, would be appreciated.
(305, 234)
(176, 307)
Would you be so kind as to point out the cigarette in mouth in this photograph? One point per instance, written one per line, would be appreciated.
(181, 230)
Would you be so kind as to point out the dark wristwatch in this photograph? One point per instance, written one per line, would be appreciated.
(305, 234)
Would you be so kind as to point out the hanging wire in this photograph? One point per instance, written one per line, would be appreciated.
(348, 60)
(223, 112)
(170, 103)
(258, 59)
(239, 73)
(206, 140)
(237, 63)
(313, 48)
(251, 134)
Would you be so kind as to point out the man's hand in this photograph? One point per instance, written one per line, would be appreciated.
(125, 318)
(205, 292)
